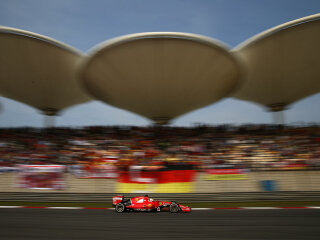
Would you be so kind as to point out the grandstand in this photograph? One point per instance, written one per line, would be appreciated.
(160, 76)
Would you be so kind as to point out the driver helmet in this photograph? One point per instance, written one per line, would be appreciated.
(151, 199)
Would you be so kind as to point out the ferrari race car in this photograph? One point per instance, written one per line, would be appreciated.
(146, 204)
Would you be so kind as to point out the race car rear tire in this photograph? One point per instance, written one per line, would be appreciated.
(174, 208)
(120, 208)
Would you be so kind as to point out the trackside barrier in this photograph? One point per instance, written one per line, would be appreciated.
(285, 181)
(185, 197)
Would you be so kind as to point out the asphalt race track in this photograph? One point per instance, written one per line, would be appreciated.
(210, 224)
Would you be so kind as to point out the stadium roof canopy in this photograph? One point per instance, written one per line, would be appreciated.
(39, 71)
(282, 65)
(160, 75)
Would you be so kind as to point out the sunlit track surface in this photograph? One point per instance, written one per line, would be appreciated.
(106, 224)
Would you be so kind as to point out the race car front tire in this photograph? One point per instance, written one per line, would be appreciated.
(174, 208)
(120, 208)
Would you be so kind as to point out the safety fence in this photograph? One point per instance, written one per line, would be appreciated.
(264, 181)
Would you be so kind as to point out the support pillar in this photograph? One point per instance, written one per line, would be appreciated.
(49, 117)
(49, 121)
(161, 121)
(278, 118)
(278, 115)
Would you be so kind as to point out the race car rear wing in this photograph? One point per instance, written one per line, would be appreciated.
(117, 199)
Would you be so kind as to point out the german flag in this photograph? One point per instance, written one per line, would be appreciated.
(172, 179)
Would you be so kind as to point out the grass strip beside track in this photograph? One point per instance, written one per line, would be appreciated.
(193, 205)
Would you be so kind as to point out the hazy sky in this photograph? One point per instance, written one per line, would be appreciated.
(84, 23)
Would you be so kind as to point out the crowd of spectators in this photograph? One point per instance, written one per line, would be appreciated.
(255, 147)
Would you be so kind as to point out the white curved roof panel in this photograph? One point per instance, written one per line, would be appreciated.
(39, 71)
(282, 65)
(160, 75)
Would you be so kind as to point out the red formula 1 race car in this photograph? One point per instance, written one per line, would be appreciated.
(146, 204)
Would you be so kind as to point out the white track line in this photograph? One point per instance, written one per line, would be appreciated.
(314, 207)
(10, 206)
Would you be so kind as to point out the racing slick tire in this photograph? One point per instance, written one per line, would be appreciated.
(120, 208)
(174, 208)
